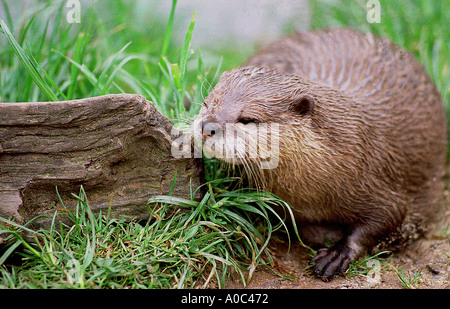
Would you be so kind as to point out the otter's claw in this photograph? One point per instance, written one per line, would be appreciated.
(333, 260)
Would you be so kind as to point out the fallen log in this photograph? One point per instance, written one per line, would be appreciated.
(118, 147)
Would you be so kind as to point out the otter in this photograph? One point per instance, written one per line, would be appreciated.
(361, 138)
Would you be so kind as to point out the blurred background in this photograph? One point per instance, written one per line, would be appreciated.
(236, 22)
(233, 25)
(152, 47)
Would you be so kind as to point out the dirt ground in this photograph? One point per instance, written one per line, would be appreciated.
(428, 258)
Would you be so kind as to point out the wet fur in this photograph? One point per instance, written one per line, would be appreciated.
(367, 157)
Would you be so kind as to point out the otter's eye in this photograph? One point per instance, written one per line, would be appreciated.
(246, 120)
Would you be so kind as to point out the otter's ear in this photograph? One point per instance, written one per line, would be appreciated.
(302, 104)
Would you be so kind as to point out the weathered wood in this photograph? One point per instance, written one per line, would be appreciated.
(116, 146)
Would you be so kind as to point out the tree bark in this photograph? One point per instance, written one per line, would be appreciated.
(118, 147)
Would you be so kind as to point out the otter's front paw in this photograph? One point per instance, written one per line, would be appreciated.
(333, 260)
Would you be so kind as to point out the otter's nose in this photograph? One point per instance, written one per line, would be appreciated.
(210, 128)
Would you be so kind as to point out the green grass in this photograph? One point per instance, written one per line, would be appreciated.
(42, 58)
(408, 279)
(99, 56)
(419, 26)
(198, 245)
(369, 265)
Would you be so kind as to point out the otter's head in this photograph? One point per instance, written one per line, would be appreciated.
(249, 113)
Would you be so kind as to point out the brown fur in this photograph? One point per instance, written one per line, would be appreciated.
(366, 156)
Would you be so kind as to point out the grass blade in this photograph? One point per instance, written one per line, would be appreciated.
(109, 64)
(9, 251)
(90, 76)
(185, 51)
(116, 70)
(169, 29)
(31, 67)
